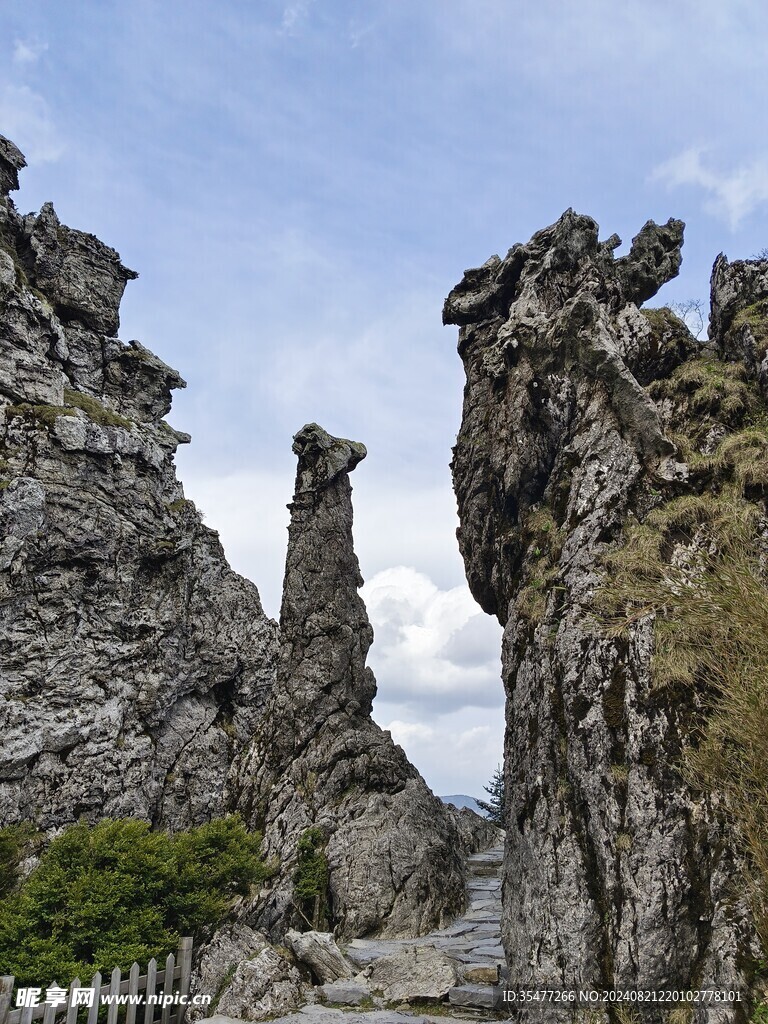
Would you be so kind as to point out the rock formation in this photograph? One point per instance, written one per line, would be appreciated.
(135, 665)
(133, 662)
(617, 874)
(739, 318)
(320, 768)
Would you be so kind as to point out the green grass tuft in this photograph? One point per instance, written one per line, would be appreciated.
(94, 409)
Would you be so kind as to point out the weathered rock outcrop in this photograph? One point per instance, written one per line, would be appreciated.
(475, 832)
(136, 666)
(246, 977)
(320, 768)
(616, 873)
(739, 314)
(134, 663)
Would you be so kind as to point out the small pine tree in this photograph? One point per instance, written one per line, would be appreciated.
(494, 807)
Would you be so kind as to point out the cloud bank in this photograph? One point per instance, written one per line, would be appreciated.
(733, 195)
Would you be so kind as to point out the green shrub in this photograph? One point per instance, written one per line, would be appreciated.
(310, 879)
(16, 842)
(106, 895)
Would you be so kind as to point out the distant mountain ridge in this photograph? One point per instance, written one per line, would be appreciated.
(462, 800)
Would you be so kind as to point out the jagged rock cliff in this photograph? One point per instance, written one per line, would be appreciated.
(134, 663)
(135, 666)
(320, 768)
(617, 873)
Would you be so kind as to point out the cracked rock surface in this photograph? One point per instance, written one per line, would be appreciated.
(319, 761)
(134, 663)
(615, 873)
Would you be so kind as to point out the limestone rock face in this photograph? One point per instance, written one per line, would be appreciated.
(615, 873)
(319, 762)
(739, 303)
(475, 832)
(134, 663)
(262, 986)
(246, 977)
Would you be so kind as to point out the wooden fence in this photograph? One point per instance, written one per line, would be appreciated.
(154, 1008)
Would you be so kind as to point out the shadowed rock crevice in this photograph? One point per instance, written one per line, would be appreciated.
(319, 762)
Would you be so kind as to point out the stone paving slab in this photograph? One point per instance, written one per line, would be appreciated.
(482, 917)
(491, 952)
(485, 996)
(484, 932)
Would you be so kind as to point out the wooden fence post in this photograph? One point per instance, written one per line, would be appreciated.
(73, 1006)
(149, 991)
(6, 992)
(93, 1012)
(133, 990)
(114, 990)
(170, 965)
(185, 963)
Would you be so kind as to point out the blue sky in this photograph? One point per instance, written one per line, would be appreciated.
(301, 182)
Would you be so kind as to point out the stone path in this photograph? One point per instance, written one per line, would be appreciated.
(474, 939)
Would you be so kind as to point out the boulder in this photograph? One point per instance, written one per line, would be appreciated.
(414, 972)
(318, 950)
(481, 974)
(263, 986)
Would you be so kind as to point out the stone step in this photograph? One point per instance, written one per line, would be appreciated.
(491, 858)
(488, 882)
(483, 997)
(493, 923)
(481, 973)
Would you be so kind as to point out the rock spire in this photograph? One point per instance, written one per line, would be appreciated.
(320, 766)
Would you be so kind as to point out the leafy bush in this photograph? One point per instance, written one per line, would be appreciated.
(15, 841)
(106, 895)
(310, 879)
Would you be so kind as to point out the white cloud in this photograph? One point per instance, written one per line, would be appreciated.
(733, 194)
(28, 52)
(457, 752)
(26, 120)
(294, 15)
(406, 732)
(434, 651)
(393, 523)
